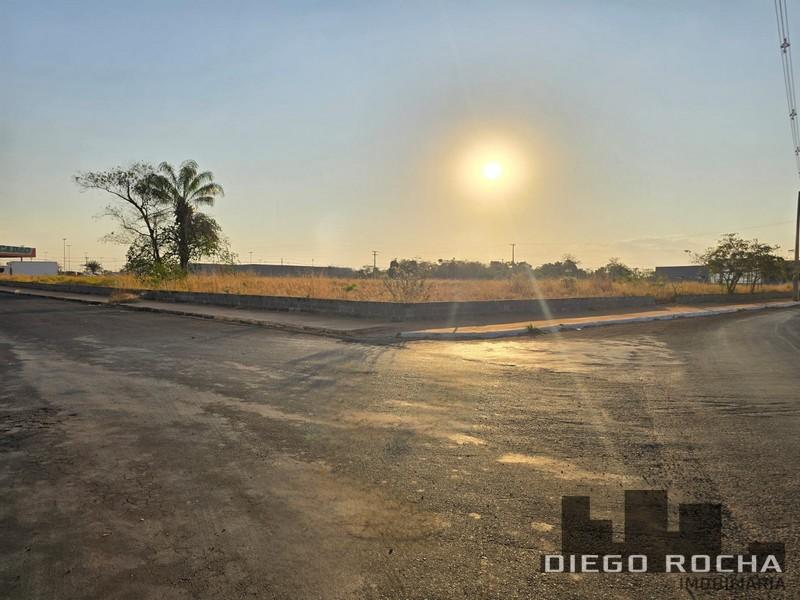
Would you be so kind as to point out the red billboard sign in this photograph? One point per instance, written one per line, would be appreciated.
(17, 252)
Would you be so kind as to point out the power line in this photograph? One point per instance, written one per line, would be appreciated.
(782, 20)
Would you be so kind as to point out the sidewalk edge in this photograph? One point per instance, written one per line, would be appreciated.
(306, 329)
(526, 331)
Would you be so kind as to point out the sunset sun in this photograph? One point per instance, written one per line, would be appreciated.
(492, 170)
(492, 166)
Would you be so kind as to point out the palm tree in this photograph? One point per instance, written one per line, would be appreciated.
(185, 191)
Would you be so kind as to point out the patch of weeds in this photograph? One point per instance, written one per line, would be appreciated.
(118, 296)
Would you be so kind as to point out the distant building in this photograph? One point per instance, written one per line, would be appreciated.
(274, 270)
(683, 273)
(30, 267)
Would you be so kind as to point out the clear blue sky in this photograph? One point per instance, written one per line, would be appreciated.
(642, 128)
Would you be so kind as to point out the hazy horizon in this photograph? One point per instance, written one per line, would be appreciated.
(629, 130)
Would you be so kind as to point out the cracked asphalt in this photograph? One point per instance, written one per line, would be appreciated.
(154, 456)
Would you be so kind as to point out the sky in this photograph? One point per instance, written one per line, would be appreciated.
(633, 129)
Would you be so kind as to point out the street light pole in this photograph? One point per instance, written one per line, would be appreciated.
(64, 261)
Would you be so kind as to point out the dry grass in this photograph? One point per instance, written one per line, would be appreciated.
(374, 289)
(119, 296)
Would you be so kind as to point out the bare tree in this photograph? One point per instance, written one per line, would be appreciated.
(140, 216)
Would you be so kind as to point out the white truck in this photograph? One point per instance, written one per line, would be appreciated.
(31, 267)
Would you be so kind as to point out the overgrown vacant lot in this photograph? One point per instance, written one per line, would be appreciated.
(517, 287)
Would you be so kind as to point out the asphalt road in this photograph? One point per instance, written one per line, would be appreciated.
(154, 456)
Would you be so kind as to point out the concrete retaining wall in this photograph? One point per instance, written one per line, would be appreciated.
(735, 298)
(398, 311)
(274, 270)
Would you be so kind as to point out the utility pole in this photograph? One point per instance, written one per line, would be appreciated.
(513, 248)
(64, 261)
(796, 295)
(374, 261)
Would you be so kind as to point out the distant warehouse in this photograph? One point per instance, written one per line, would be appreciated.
(273, 270)
(683, 273)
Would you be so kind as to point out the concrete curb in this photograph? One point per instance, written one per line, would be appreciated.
(306, 329)
(525, 331)
(346, 335)
(23, 292)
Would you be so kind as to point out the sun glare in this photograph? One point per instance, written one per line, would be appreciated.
(492, 170)
(491, 167)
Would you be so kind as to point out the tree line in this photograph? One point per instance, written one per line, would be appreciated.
(567, 267)
(730, 262)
